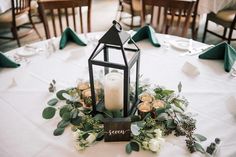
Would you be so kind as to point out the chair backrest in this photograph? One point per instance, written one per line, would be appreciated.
(128, 6)
(169, 15)
(62, 12)
(19, 7)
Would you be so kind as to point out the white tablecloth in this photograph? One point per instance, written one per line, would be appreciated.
(206, 6)
(24, 133)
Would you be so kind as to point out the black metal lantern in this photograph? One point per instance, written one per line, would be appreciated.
(115, 38)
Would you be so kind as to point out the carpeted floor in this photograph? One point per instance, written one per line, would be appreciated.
(103, 13)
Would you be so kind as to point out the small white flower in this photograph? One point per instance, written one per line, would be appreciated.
(145, 144)
(78, 147)
(76, 134)
(154, 145)
(91, 138)
(158, 133)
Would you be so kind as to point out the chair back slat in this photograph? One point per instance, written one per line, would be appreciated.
(20, 6)
(170, 15)
(53, 22)
(73, 14)
(60, 19)
(64, 15)
(81, 19)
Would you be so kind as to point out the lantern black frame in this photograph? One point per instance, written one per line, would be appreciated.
(115, 38)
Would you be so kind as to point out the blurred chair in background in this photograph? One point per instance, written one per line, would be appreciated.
(19, 16)
(62, 14)
(171, 16)
(131, 11)
(224, 18)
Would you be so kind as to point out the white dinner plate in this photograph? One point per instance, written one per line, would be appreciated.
(181, 44)
(25, 53)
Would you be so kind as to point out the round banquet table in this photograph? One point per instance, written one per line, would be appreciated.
(24, 94)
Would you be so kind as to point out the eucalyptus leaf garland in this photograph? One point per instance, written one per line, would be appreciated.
(148, 133)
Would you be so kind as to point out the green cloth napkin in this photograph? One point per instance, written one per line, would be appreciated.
(221, 51)
(144, 33)
(70, 35)
(5, 62)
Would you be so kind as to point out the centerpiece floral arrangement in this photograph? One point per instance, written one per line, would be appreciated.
(166, 115)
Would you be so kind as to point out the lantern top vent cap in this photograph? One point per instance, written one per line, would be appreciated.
(115, 35)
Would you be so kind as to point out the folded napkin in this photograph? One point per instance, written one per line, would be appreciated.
(5, 62)
(222, 51)
(70, 35)
(144, 33)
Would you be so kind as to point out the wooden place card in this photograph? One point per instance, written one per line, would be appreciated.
(117, 129)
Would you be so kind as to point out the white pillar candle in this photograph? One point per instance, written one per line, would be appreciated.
(113, 91)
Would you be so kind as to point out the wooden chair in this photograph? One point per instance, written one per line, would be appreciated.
(194, 20)
(129, 10)
(226, 19)
(17, 17)
(170, 16)
(62, 13)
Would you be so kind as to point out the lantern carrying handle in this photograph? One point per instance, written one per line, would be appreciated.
(117, 25)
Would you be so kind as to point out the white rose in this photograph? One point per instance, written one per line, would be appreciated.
(91, 138)
(154, 145)
(78, 147)
(158, 133)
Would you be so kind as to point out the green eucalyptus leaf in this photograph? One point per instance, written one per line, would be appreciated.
(176, 109)
(87, 111)
(179, 87)
(63, 124)
(88, 127)
(199, 147)
(49, 112)
(108, 113)
(59, 94)
(76, 121)
(100, 107)
(135, 118)
(66, 96)
(140, 124)
(100, 136)
(170, 124)
(179, 104)
(77, 104)
(128, 148)
(162, 117)
(134, 146)
(53, 102)
(168, 106)
(167, 92)
(160, 110)
(66, 116)
(58, 131)
(63, 110)
(116, 114)
(199, 137)
(74, 113)
(147, 115)
(99, 117)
